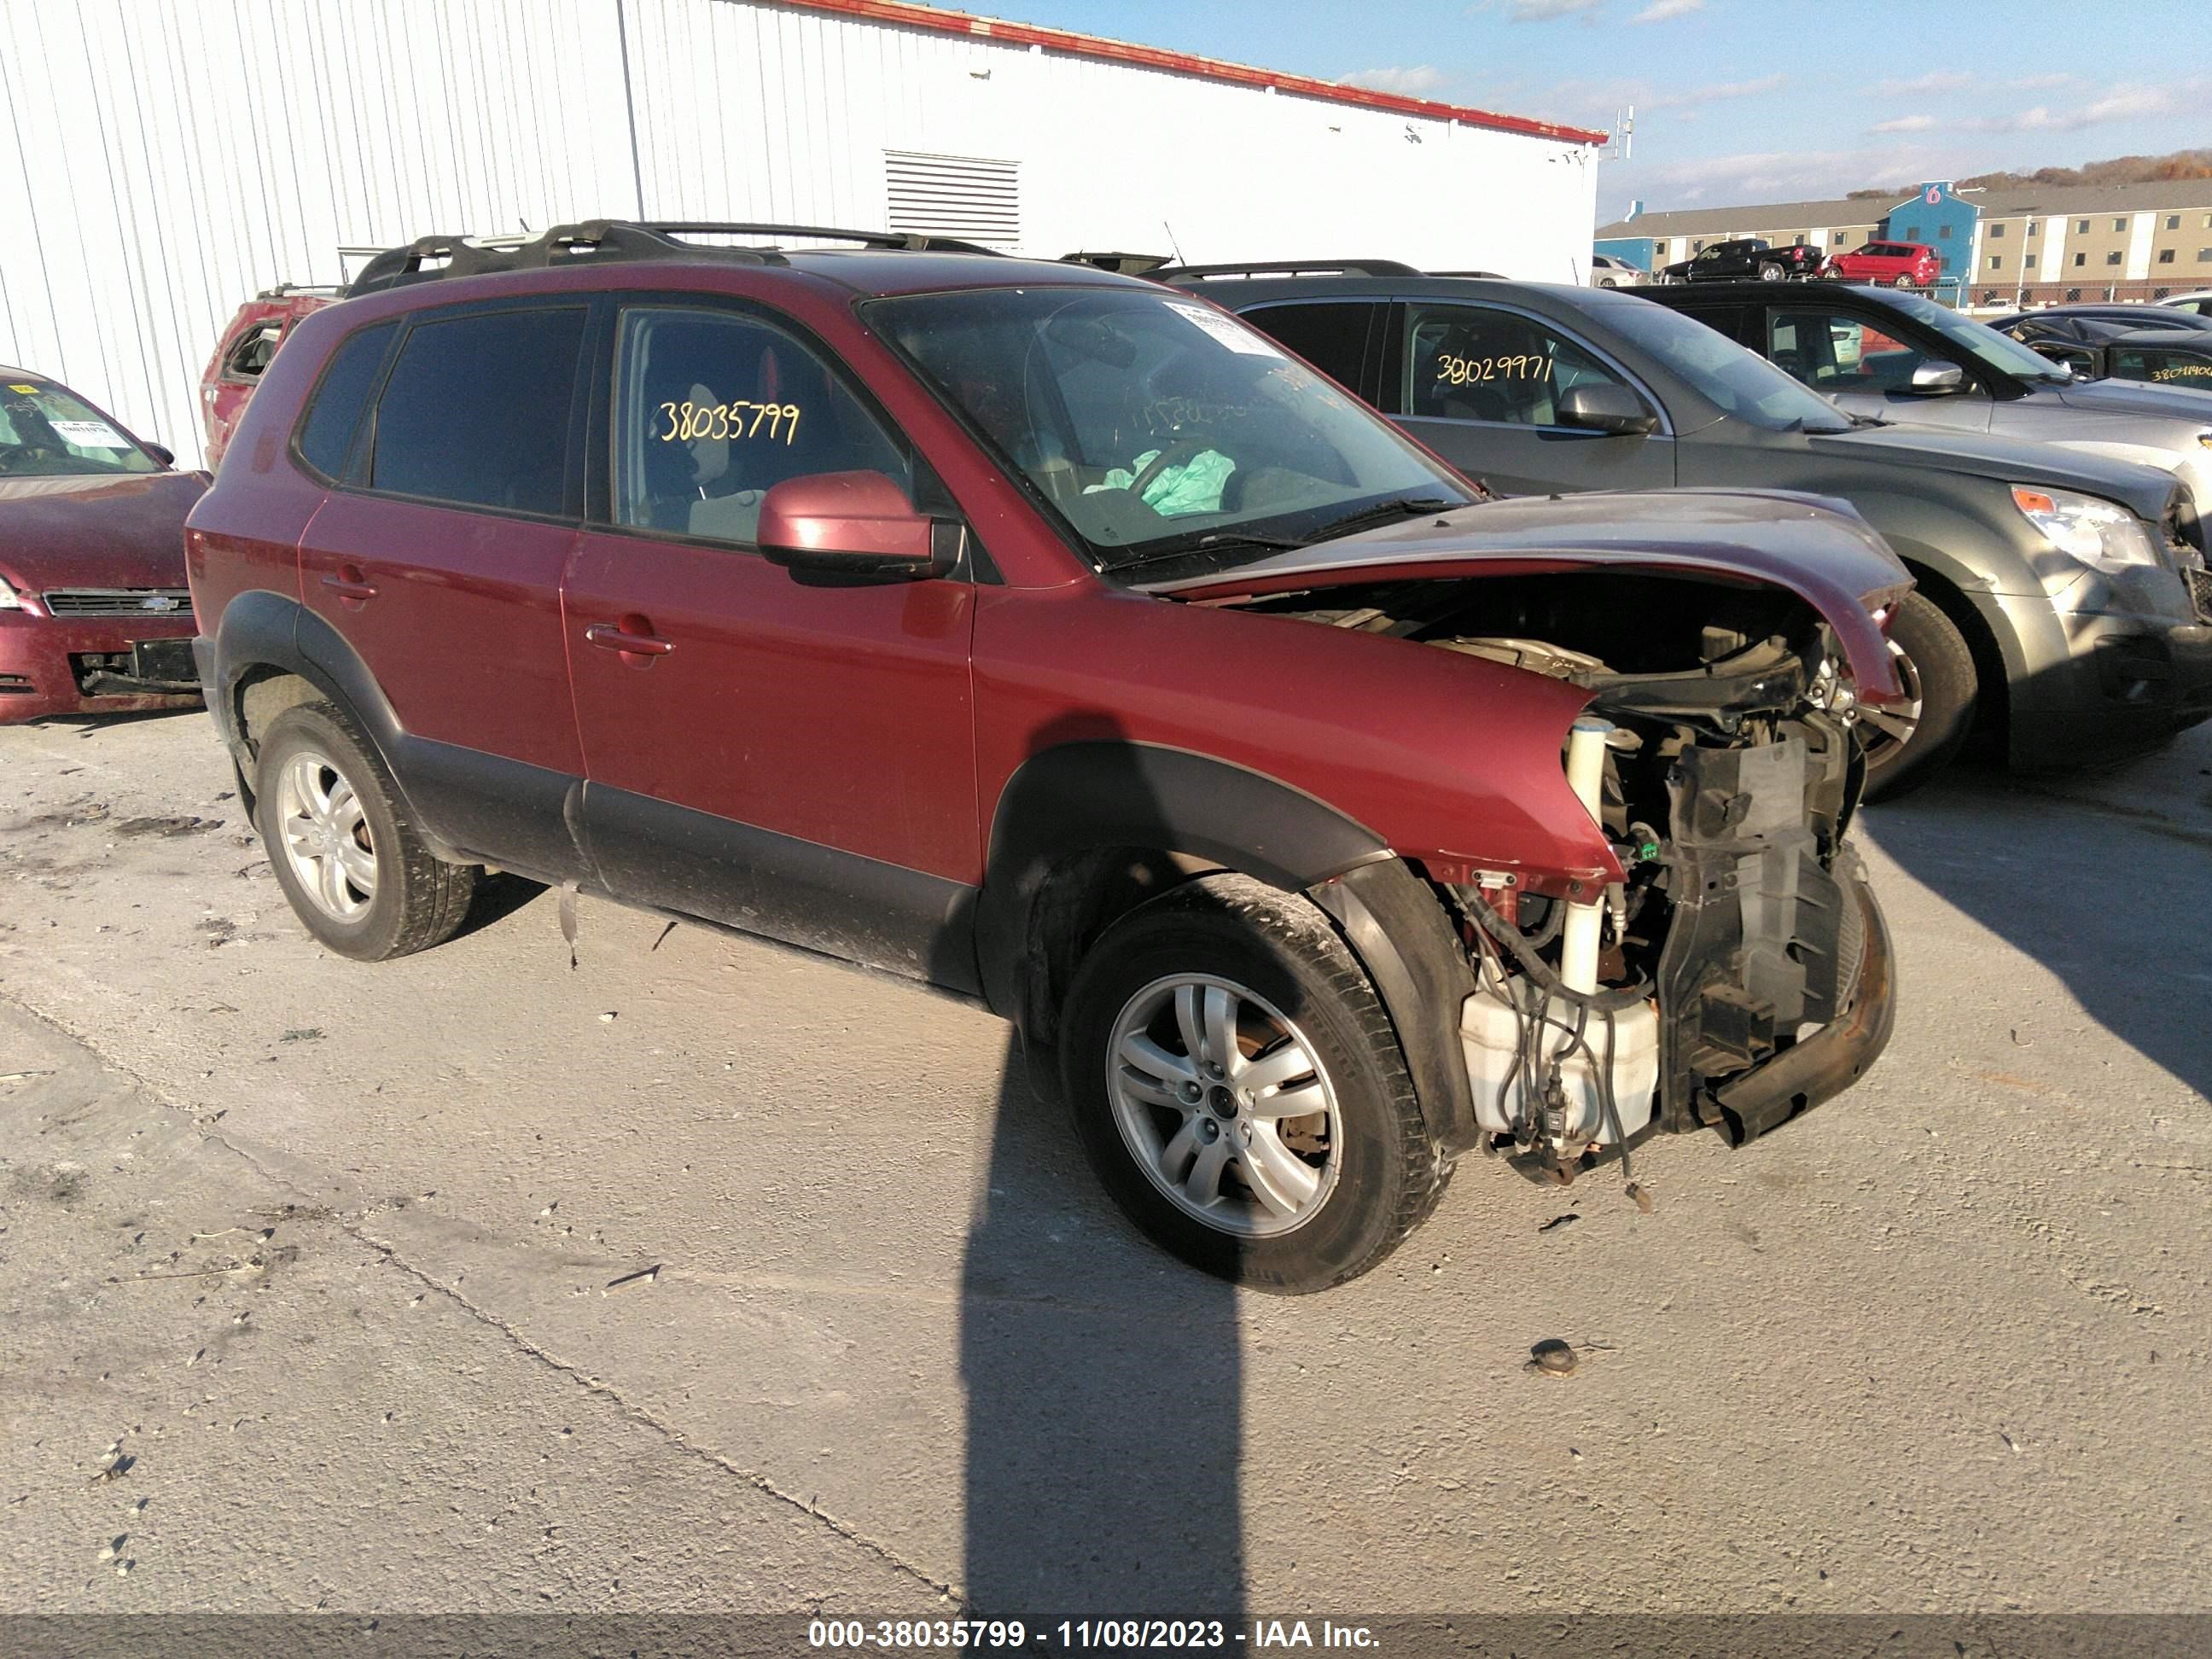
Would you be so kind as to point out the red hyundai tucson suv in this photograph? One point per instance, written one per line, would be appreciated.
(1056, 639)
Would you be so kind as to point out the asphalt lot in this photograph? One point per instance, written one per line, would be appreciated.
(707, 1275)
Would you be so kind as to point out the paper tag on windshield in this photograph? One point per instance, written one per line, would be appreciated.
(1227, 330)
(30, 389)
(90, 434)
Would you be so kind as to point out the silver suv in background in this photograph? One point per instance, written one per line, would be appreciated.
(1904, 358)
(2052, 605)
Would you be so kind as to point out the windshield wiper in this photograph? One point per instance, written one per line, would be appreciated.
(1207, 543)
(1403, 507)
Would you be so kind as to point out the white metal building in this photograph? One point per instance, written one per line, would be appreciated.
(170, 160)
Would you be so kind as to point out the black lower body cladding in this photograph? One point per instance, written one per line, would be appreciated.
(1770, 939)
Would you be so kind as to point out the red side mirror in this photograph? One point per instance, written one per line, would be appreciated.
(858, 523)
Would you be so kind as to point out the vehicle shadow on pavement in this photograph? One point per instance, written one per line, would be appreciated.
(91, 725)
(1104, 1391)
(497, 897)
(1104, 1396)
(2100, 878)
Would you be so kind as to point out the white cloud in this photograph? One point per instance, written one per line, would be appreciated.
(1415, 80)
(1720, 91)
(2121, 103)
(1904, 123)
(1777, 175)
(2040, 83)
(1665, 11)
(1546, 11)
(1934, 80)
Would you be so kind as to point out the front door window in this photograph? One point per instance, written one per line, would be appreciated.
(1834, 351)
(716, 408)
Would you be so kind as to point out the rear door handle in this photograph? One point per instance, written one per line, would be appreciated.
(609, 637)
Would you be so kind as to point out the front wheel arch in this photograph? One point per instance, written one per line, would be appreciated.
(1995, 679)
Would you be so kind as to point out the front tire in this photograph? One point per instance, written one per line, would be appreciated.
(1240, 1091)
(1904, 749)
(356, 869)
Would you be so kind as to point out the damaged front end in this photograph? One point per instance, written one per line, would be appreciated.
(1738, 970)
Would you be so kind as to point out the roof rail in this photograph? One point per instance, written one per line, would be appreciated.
(427, 257)
(1286, 267)
(431, 256)
(285, 290)
(1492, 276)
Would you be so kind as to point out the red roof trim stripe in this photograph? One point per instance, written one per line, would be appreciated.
(938, 21)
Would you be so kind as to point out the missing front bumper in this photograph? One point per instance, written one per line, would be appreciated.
(1833, 1058)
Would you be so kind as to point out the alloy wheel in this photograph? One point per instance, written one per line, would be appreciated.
(1884, 731)
(1224, 1104)
(326, 834)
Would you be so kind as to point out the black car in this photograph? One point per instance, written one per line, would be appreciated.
(2048, 599)
(2118, 313)
(1749, 256)
(2095, 350)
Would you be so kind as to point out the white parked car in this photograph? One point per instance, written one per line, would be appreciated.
(2199, 302)
(1605, 271)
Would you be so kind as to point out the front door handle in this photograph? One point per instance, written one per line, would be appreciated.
(608, 637)
(351, 585)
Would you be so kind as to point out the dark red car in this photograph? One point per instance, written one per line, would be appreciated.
(1893, 265)
(243, 354)
(94, 617)
(1056, 638)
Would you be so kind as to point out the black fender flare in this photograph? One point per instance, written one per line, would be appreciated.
(264, 628)
(1089, 795)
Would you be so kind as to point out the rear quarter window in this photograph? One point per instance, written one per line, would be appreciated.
(335, 410)
(1331, 335)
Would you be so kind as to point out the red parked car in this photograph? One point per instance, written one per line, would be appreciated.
(243, 354)
(1893, 265)
(94, 617)
(1056, 638)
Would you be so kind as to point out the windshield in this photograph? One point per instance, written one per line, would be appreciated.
(1741, 382)
(45, 432)
(1154, 424)
(1995, 350)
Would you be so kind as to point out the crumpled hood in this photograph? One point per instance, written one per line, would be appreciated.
(1816, 548)
(2146, 490)
(101, 531)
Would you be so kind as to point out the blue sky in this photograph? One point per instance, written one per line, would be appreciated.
(1744, 100)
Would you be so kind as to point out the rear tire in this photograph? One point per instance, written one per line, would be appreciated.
(1770, 272)
(1937, 666)
(357, 872)
(1296, 1202)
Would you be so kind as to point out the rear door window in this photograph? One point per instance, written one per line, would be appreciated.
(713, 408)
(335, 411)
(1333, 336)
(1475, 363)
(478, 410)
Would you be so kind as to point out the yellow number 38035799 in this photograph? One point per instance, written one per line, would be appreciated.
(688, 421)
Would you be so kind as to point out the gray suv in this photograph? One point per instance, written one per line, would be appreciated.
(2053, 598)
(1904, 358)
